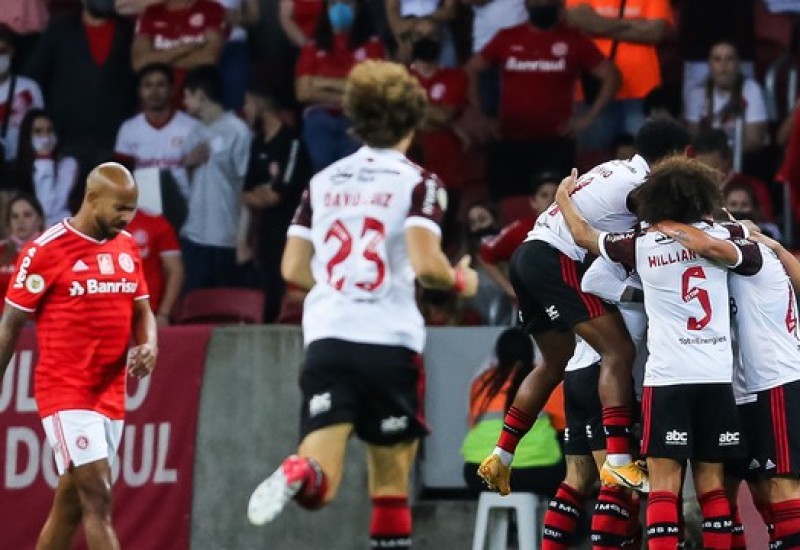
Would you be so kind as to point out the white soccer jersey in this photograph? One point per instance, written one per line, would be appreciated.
(765, 318)
(355, 213)
(157, 146)
(687, 304)
(601, 196)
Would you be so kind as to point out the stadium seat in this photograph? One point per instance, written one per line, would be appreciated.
(291, 312)
(515, 207)
(492, 521)
(221, 306)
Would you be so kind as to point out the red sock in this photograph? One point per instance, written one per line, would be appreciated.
(662, 521)
(737, 531)
(617, 427)
(717, 521)
(786, 517)
(611, 519)
(765, 510)
(516, 424)
(635, 531)
(315, 487)
(561, 519)
(391, 523)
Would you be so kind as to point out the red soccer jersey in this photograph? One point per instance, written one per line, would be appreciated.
(306, 14)
(442, 149)
(156, 239)
(337, 62)
(502, 246)
(539, 71)
(81, 292)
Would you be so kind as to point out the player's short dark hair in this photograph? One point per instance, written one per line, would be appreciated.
(266, 90)
(151, 68)
(665, 98)
(384, 102)
(206, 78)
(661, 137)
(711, 140)
(680, 189)
(7, 35)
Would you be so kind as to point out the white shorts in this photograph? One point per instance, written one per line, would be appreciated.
(79, 437)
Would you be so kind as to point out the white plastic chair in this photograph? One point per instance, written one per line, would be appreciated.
(492, 521)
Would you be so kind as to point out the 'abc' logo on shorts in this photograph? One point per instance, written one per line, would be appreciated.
(674, 437)
(729, 438)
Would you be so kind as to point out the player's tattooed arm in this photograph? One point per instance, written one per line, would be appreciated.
(701, 242)
(10, 326)
(584, 234)
(790, 263)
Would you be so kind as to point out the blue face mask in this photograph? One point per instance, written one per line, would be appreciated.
(341, 16)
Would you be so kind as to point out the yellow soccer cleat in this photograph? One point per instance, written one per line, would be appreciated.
(630, 476)
(495, 474)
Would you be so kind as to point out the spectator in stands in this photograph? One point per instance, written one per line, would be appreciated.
(664, 101)
(733, 22)
(161, 261)
(725, 96)
(483, 222)
(299, 19)
(403, 17)
(741, 202)
(216, 153)
(235, 61)
(492, 16)
(18, 95)
(41, 169)
(630, 40)
(495, 252)
(25, 222)
(623, 148)
(343, 38)
(541, 468)
(447, 90)
(710, 146)
(541, 61)
(82, 63)
(27, 18)
(278, 172)
(155, 137)
(181, 33)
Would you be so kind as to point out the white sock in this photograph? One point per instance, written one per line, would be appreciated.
(619, 459)
(505, 456)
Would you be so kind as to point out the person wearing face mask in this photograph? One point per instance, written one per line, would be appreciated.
(343, 38)
(540, 63)
(41, 170)
(403, 17)
(24, 223)
(18, 94)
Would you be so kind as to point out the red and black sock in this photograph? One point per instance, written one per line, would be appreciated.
(315, 487)
(516, 424)
(717, 520)
(617, 427)
(561, 519)
(391, 523)
(737, 531)
(786, 517)
(635, 531)
(611, 519)
(662, 521)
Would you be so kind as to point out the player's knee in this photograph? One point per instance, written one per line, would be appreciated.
(95, 497)
(782, 488)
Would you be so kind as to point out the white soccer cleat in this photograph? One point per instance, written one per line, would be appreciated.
(271, 496)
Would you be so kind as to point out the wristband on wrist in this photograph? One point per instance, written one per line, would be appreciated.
(459, 282)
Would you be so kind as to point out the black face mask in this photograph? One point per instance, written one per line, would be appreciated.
(102, 9)
(543, 17)
(426, 49)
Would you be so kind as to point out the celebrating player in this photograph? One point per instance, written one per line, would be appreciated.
(689, 411)
(366, 226)
(82, 281)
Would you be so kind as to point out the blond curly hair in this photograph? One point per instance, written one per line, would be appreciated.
(384, 102)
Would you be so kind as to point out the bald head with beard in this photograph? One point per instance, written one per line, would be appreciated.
(109, 202)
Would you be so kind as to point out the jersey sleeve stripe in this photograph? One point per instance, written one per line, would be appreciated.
(175, 252)
(601, 244)
(142, 297)
(301, 231)
(425, 223)
(50, 235)
(23, 308)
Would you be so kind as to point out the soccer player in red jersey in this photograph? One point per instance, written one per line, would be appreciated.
(82, 282)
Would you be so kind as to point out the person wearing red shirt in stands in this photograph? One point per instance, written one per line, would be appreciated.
(82, 281)
(498, 249)
(181, 33)
(25, 223)
(161, 261)
(299, 19)
(344, 37)
(541, 62)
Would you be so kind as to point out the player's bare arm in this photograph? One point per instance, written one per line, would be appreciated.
(10, 326)
(296, 263)
(142, 357)
(789, 261)
(584, 234)
(701, 242)
(433, 269)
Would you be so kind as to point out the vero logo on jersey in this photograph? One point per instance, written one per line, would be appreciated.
(22, 272)
(93, 286)
(674, 437)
